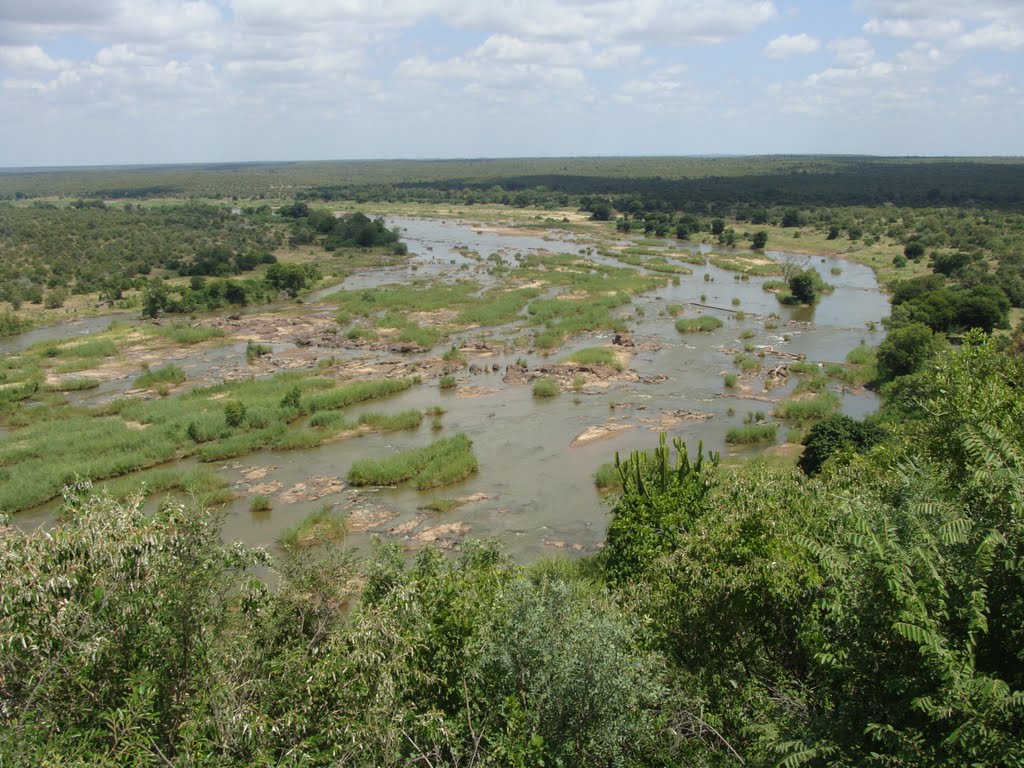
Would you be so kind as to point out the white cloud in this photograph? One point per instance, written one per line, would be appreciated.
(915, 28)
(978, 24)
(785, 46)
(852, 51)
(29, 58)
(999, 34)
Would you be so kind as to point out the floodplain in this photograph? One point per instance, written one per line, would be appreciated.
(542, 342)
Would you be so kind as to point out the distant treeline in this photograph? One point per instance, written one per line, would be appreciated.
(955, 183)
(672, 182)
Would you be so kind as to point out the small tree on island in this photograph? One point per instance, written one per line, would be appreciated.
(802, 287)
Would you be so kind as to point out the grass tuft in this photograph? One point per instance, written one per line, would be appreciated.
(444, 462)
(702, 324)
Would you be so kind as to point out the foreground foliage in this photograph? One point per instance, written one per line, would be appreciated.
(870, 615)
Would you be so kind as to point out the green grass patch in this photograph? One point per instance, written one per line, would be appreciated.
(730, 380)
(391, 422)
(749, 434)
(356, 392)
(702, 324)
(201, 483)
(805, 368)
(607, 478)
(862, 355)
(441, 505)
(806, 409)
(169, 375)
(747, 363)
(359, 333)
(260, 503)
(594, 356)
(75, 384)
(94, 348)
(325, 525)
(814, 383)
(179, 333)
(444, 462)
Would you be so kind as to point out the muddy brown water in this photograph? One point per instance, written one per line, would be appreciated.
(535, 489)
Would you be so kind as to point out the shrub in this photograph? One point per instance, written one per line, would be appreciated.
(545, 388)
(260, 503)
(447, 382)
(826, 438)
(234, 413)
(292, 399)
(254, 350)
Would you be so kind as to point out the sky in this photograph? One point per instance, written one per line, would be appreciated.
(95, 82)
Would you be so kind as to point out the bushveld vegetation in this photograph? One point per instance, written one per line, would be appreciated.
(862, 608)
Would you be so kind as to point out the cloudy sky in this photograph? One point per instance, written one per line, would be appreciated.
(158, 81)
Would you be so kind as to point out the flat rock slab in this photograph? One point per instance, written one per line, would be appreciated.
(403, 529)
(444, 535)
(253, 473)
(314, 488)
(600, 432)
(360, 520)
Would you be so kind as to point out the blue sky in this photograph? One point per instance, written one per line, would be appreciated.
(160, 81)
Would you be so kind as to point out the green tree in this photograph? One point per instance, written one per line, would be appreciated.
(291, 278)
(801, 286)
(791, 218)
(759, 239)
(913, 250)
(905, 351)
(154, 298)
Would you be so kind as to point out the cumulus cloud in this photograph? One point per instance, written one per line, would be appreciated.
(851, 51)
(29, 58)
(979, 24)
(785, 46)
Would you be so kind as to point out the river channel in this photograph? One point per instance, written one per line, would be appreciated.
(535, 489)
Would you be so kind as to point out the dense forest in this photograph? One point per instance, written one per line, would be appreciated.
(869, 614)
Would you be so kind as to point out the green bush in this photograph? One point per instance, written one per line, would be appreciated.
(826, 438)
(234, 413)
(545, 387)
